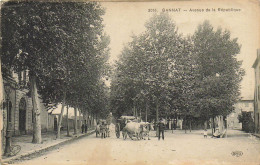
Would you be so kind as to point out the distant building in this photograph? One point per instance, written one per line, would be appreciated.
(240, 106)
(71, 121)
(256, 66)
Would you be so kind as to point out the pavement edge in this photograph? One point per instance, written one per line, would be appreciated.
(41, 151)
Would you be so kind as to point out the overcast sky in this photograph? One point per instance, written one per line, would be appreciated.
(122, 19)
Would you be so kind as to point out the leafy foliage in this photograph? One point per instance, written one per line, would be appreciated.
(62, 44)
(194, 76)
(218, 71)
(148, 67)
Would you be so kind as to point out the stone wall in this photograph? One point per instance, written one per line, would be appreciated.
(15, 97)
(44, 116)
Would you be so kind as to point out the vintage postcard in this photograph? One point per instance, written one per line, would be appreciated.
(130, 82)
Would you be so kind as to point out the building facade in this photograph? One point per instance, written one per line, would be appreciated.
(17, 109)
(256, 67)
(240, 107)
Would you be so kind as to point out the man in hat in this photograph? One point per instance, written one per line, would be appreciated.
(161, 126)
(82, 128)
(86, 128)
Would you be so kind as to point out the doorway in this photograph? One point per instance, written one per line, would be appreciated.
(22, 116)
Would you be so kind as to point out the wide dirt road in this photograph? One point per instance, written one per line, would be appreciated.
(177, 148)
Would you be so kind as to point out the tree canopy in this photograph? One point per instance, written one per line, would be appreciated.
(148, 66)
(195, 76)
(219, 73)
(63, 46)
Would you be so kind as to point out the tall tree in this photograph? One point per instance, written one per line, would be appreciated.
(59, 43)
(219, 73)
(21, 49)
(145, 68)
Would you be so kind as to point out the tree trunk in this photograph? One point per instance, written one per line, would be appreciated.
(36, 112)
(134, 111)
(206, 125)
(1, 108)
(75, 122)
(214, 126)
(226, 125)
(190, 125)
(175, 122)
(87, 119)
(68, 127)
(140, 115)
(157, 118)
(146, 107)
(96, 118)
(185, 125)
(84, 117)
(157, 111)
(92, 119)
(61, 114)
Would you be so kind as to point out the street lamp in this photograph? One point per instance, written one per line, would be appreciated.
(8, 127)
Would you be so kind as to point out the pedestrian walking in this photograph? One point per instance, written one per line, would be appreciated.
(86, 128)
(103, 130)
(82, 128)
(117, 130)
(124, 133)
(205, 133)
(161, 126)
(148, 131)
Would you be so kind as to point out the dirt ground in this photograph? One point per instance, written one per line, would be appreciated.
(177, 148)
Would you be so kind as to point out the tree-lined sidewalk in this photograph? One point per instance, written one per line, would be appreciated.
(49, 142)
(65, 50)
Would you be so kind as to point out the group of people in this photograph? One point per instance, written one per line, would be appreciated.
(102, 129)
(141, 132)
(159, 126)
(84, 128)
(216, 134)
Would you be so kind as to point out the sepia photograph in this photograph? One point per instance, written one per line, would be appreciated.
(130, 82)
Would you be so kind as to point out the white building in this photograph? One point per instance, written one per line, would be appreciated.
(240, 106)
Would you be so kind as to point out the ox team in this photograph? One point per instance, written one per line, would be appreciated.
(132, 127)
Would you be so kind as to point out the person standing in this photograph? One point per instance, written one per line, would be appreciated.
(82, 128)
(148, 131)
(161, 126)
(86, 128)
(117, 129)
(205, 133)
(103, 130)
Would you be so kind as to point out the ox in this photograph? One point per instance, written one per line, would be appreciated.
(132, 129)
